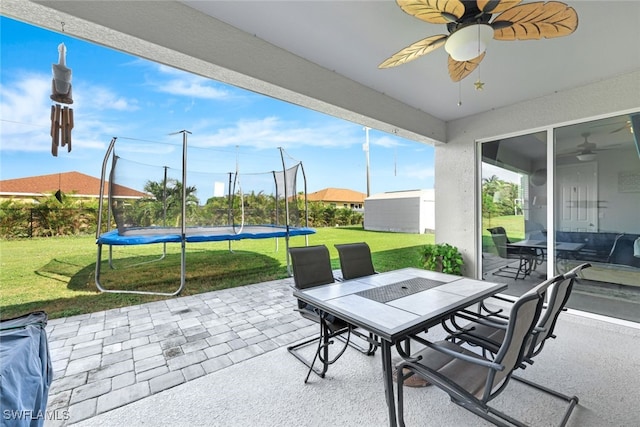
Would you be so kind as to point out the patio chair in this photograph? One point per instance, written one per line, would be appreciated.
(468, 378)
(355, 260)
(312, 267)
(527, 258)
(488, 331)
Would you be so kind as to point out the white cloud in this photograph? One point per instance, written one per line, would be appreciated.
(385, 141)
(182, 83)
(195, 89)
(101, 98)
(271, 132)
(25, 109)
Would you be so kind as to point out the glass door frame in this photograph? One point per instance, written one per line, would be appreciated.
(551, 182)
(549, 194)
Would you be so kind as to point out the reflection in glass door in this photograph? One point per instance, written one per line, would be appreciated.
(597, 213)
(514, 211)
(594, 203)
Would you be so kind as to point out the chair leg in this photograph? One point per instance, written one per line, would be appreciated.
(322, 351)
(573, 400)
(294, 351)
(323, 346)
(513, 272)
(371, 341)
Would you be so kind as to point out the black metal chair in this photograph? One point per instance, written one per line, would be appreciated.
(488, 328)
(526, 257)
(468, 378)
(312, 267)
(355, 260)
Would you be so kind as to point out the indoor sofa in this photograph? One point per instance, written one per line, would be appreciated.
(615, 257)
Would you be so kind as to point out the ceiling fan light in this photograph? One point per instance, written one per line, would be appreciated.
(469, 42)
(586, 157)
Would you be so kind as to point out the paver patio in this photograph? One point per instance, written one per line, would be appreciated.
(108, 359)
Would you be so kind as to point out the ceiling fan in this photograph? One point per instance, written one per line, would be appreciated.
(586, 151)
(471, 25)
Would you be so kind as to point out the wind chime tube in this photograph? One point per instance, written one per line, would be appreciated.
(61, 117)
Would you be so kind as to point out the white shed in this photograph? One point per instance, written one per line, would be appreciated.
(401, 211)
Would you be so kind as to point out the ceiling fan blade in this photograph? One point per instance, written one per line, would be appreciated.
(433, 11)
(496, 6)
(414, 51)
(586, 146)
(609, 147)
(458, 70)
(533, 21)
(626, 126)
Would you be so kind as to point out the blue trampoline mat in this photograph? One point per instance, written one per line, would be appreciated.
(149, 235)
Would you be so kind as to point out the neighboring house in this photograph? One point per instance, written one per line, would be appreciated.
(401, 211)
(74, 184)
(339, 197)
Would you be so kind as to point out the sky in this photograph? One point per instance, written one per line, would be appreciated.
(143, 104)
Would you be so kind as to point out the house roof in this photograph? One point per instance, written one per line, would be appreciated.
(337, 195)
(67, 182)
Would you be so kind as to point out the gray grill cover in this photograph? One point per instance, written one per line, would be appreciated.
(25, 370)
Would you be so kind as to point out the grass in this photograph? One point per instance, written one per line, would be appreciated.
(57, 275)
(513, 224)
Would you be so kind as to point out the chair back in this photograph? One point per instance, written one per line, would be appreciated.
(500, 240)
(499, 230)
(523, 317)
(355, 260)
(311, 266)
(558, 297)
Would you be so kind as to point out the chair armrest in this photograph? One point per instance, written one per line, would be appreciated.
(471, 359)
(494, 323)
(498, 323)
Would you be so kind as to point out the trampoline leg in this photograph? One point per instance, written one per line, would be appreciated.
(183, 264)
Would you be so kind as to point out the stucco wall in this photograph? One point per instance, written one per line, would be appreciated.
(456, 171)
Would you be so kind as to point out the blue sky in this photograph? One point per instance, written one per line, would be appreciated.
(141, 103)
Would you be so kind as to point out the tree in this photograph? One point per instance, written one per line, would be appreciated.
(164, 207)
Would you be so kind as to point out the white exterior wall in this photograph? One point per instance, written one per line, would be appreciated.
(456, 171)
(404, 212)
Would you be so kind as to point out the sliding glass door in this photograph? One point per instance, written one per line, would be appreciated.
(597, 213)
(541, 217)
(514, 209)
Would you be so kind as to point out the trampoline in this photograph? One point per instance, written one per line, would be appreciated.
(282, 206)
(146, 236)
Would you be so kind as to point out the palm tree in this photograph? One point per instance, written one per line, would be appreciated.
(165, 205)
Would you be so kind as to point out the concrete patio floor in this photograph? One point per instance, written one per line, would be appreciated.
(125, 365)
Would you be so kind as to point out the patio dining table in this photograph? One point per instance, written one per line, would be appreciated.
(397, 304)
(564, 250)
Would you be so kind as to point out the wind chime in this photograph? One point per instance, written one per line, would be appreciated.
(61, 116)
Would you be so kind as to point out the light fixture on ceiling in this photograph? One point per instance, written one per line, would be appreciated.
(586, 156)
(469, 42)
(500, 20)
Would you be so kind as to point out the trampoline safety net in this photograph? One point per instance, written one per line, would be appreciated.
(143, 196)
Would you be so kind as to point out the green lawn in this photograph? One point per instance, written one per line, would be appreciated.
(513, 224)
(57, 275)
